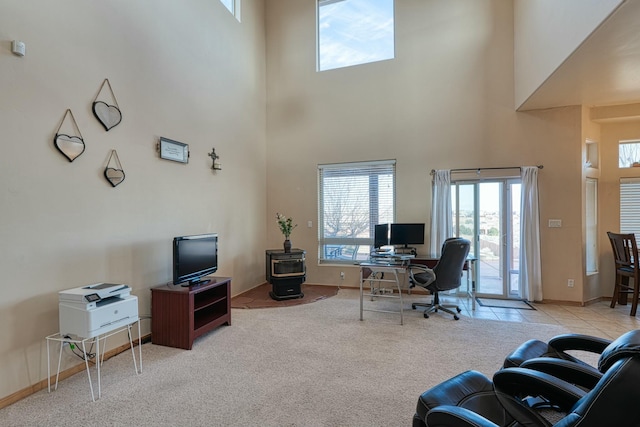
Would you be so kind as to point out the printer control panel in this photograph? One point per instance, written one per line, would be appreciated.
(92, 297)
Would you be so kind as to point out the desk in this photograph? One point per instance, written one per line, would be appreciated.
(82, 343)
(469, 267)
(373, 271)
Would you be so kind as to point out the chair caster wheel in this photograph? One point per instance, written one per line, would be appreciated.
(455, 317)
(436, 310)
(459, 309)
(426, 316)
(413, 306)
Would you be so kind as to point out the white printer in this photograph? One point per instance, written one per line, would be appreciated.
(89, 311)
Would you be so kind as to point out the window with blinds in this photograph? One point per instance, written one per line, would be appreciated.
(630, 206)
(591, 226)
(352, 199)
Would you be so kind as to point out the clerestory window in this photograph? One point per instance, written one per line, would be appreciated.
(233, 6)
(629, 154)
(352, 32)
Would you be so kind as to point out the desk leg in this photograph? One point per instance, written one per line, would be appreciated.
(472, 266)
(86, 364)
(98, 363)
(361, 293)
(133, 353)
(59, 363)
(140, 345)
(48, 369)
(395, 273)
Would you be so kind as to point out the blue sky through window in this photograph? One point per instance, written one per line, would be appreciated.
(229, 4)
(352, 32)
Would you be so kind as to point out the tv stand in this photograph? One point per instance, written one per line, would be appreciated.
(180, 314)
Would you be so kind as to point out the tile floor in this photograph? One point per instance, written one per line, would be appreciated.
(595, 319)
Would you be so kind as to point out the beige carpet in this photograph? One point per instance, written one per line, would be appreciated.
(258, 297)
(307, 365)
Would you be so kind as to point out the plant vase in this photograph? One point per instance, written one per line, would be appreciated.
(287, 246)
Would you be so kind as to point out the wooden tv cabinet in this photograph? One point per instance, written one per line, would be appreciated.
(180, 314)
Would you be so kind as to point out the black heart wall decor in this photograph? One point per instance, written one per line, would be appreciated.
(71, 146)
(108, 115)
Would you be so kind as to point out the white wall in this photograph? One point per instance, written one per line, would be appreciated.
(188, 71)
(547, 32)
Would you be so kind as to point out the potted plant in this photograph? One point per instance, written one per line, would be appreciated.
(286, 225)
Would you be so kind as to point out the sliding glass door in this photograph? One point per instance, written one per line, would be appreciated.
(487, 213)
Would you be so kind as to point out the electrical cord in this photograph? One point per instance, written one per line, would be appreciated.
(75, 350)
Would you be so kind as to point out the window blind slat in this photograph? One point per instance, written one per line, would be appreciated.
(630, 206)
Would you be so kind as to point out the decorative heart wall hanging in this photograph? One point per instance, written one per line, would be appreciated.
(70, 146)
(108, 115)
(115, 175)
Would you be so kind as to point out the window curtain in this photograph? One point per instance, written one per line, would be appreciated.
(530, 269)
(441, 223)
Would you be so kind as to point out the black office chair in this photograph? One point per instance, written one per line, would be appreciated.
(445, 276)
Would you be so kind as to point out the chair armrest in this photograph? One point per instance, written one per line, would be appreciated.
(455, 416)
(579, 342)
(521, 382)
(418, 267)
(420, 275)
(575, 373)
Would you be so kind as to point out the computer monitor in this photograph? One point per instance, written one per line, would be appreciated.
(381, 235)
(406, 234)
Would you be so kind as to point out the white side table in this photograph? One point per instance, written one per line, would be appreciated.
(82, 343)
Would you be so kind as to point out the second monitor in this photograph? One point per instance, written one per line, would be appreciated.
(400, 234)
(405, 234)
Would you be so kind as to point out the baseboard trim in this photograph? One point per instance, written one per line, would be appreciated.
(41, 385)
(574, 303)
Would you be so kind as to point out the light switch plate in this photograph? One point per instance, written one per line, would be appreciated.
(555, 223)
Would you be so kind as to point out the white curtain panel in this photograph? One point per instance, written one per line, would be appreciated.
(530, 268)
(441, 223)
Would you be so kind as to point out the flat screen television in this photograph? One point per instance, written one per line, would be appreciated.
(194, 257)
(380, 235)
(406, 234)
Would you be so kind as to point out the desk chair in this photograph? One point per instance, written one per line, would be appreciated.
(625, 256)
(448, 275)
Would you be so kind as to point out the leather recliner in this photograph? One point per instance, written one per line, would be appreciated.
(472, 400)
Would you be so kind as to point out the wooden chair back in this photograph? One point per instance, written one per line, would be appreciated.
(625, 251)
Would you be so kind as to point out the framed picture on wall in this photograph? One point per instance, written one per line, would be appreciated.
(174, 150)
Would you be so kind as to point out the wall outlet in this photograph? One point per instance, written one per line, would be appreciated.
(570, 283)
(342, 275)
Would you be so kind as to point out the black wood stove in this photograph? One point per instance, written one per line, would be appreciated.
(286, 271)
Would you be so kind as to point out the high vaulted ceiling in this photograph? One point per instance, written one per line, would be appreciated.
(604, 70)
